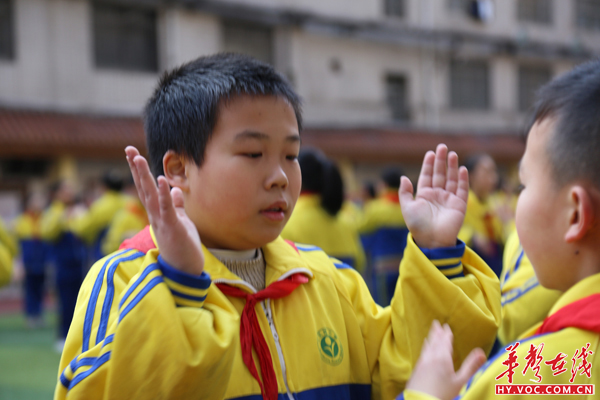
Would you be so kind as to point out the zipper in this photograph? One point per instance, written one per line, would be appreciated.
(266, 305)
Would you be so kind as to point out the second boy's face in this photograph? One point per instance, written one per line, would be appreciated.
(244, 192)
(541, 210)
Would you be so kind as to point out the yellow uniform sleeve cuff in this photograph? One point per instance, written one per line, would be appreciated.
(188, 290)
(447, 259)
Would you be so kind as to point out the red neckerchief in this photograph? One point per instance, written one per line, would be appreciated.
(582, 314)
(251, 335)
(391, 197)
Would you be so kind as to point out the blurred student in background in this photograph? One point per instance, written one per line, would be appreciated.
(316, 219)
(128, 221)
(93, 225)
(483, 229)
(35, 255)
(8, 249)
(69, 253)
(383, 234)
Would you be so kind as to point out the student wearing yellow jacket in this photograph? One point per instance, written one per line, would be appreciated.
(35, 254)
(317, 218)
(93, 225)
(483, 229)
(524, 301)
(69, 253)
(256, 316)
(383, 234)
(128, 221)
(557, 221)
(8, 249)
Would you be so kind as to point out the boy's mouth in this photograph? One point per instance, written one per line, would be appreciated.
(276, 211)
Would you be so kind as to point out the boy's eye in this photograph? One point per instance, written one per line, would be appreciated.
(292, 157)
(253, 155)
(520, 188)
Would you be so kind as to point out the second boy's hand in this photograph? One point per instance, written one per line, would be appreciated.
(435, 215)
(176, 234)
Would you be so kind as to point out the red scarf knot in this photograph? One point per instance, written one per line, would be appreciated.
(582, 314)
(251, 335)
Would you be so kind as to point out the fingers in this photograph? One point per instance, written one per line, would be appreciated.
(405, 193)
(426, 175)
(130, 153)
(439, 166)
(472, 363)
(167, 211)
(452, 176)
(462, 190)
(147, 187)
(177, 196)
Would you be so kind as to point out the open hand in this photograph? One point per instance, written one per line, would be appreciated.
(434, 373)
(436, 214)
(177, 236)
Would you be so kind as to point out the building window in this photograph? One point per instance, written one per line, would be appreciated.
(250, 39)
(539, 11)
(531, 78)
(394, 8)
(588, 14)
(397, 97)
(469, 85)
(460, 5)
(7, 50)
(125, 38)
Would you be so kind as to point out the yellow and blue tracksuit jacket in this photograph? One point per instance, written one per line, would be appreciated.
(524, 302)
(56, 227)
(568, 341)
(311, 224)
(92, 226)
(126, 223)
(8, 249)
(143, 329)
(34, 251)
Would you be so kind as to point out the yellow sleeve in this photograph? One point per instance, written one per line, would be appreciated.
(452, 286)
(53, 222)
(5, 265)
(8, 240)
(136, 333)
(89, 225)
(415, 395)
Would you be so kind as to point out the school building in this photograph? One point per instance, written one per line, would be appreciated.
(382, 80)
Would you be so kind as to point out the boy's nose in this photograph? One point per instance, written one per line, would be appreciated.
(278, 178)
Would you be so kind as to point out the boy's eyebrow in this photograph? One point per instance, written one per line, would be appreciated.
(262, 136)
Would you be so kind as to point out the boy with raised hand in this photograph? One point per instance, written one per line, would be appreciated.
(557, 220)
(209, 302)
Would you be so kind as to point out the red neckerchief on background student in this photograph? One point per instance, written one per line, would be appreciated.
(582, 314)
(250, 332)
(391, 196)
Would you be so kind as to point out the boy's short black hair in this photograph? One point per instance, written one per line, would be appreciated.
(183, 110)
(573, 99)
(391, 177)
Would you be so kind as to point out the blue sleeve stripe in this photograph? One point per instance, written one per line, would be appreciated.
(342, 266)
(445, 252)
(441, 268)
(400, 397)
(153, 282)
(460, 275)
(64, 381)
(143, 275)
(110, 291)
(187, 296)
(198, 282)
(89, 313)
(307, 248)
(514, 294)
(517, 265)
(99, 362)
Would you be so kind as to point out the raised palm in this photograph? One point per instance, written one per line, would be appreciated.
(177, 236)
(435, 215)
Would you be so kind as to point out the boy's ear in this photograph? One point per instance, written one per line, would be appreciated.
(581, 218)
(174, 167)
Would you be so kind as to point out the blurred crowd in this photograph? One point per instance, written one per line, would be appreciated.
(60, 235)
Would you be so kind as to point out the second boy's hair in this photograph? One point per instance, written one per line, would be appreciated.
(573, 99)
(183, 110)
(321, 175)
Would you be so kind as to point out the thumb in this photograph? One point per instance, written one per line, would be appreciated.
(177, 196)
(405, 193)
(472, 363)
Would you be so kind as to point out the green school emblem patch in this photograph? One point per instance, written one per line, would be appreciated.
(330, 347)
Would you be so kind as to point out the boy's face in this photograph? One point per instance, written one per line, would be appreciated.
(244, 192)
(485, 177)
(541, 211)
